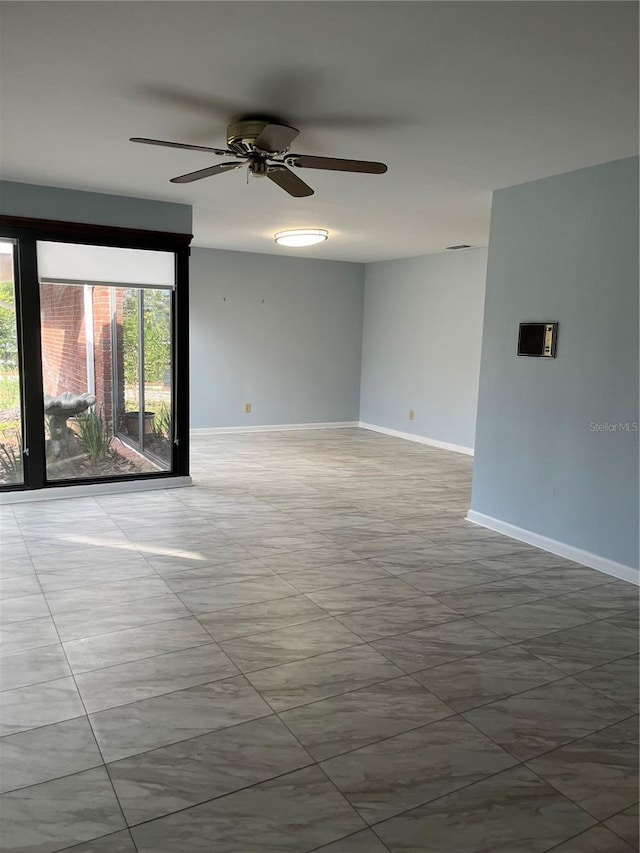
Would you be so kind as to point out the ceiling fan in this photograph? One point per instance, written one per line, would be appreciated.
(262, 144)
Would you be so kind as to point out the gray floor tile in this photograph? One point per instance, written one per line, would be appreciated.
(23, 608)
(294, 813)
(450, 577)
(12, 568)
(134, 644)
(441, 644)
(512, 811)
(311, 558)
(119, 617)
(163, 720)
(409, 769)
(628, 621)
(62, 568)
(57, 814)
(21, 669)
(547, 717)
(521, 563)
(79, 576)
(484, 598)
(607, 600)
(216, 575)
(390, 619)
(89, 596)
(342, 574)
(257, 618)
(478, 549)
(617, 681)
(14, 551)
(430, 556)
(625, 824)
(352, 720)
(583, 647)
(20, 636)
(565, 579)
(119, 842)
(142, 679)
(19, 586)
(165, 780)
(39, 705)
(373, 546)
(47, 753)
(289, 644)
(361, 842)
(210, 599)
(487, 677)
(599, 839)
(526, 621)
(331, 674)
(267, 546)
(216, 555)
(358, 596)
(598, 772)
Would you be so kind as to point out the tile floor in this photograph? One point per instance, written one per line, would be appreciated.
(310, 650)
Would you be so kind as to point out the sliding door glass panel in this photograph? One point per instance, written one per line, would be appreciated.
(156, 365)
(11, 437)
(94, 364)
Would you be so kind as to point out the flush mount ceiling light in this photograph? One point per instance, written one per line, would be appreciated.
(301, 237)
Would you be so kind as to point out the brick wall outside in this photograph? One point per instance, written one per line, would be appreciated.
(64, 350)
(64, 343)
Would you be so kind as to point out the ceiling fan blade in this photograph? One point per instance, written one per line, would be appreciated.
(304, 161)
(221, 152)
(289, 182)
(218, 169)
(276, 137)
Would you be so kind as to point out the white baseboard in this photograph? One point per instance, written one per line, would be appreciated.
(94, 489)
(561, 549)
(274, 428)
(420, 439)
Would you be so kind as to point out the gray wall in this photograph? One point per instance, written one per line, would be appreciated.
(284, 334)
(564, 248)
(38, 202)
(421, 349)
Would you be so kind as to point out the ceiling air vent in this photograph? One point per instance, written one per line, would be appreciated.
(461, 246)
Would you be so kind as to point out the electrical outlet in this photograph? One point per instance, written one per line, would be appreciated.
(247, 408)
(412, 415)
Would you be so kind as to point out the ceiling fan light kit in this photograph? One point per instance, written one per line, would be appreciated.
(263, 146)
(299, 237)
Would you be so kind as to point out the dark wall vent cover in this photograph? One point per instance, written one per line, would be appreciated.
(537, 340)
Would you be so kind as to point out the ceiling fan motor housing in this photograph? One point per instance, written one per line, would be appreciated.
(244, 132)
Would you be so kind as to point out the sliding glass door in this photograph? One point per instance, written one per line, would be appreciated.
(97, 328)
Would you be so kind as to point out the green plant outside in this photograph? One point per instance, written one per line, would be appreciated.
(11, 462)
(95, 434)
(8, 337)
(157, 335)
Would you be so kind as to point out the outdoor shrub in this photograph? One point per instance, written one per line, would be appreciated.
(11, 461)
(162, 422)
(94, 433)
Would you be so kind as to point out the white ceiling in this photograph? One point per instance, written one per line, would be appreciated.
(458, 98)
